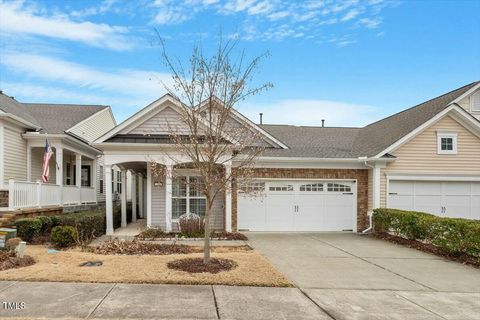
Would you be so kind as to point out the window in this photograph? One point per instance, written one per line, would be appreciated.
(337, 187)
(287, 187)
(475, 102)
(100, 189)
(447, 143)
(85, 176)
(252, 187)
(187, 196)
(68, 174)
(314, 187)
(119, 181)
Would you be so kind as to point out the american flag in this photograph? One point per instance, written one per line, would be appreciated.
(46, 160)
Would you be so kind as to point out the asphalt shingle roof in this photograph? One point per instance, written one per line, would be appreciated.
(57, 118)
(12, 106)
(312, 141)
(379, 135)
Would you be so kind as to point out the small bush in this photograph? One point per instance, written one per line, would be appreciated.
(453, 235)
(154, 233)
(48, 222)
(28, 228)
(191, 224)
(89, 224)
(64, 236)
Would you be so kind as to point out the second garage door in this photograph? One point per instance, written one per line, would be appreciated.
(443, 198)
(297, 206)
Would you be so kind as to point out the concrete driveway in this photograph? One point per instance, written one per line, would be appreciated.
(351, 276)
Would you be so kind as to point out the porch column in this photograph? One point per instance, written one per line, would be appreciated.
(78, 175)
(93, 181)
(149, 195)
(108, 199)
(228, 199)
(29, 163)
(168, 197)
(59, 169)
(134, 197)
(124, 198)
(140, 196)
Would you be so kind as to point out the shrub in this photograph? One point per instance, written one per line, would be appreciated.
(455, 236)
(88, 224)
(191, 224)
(64, 236)
(48, 222)
(28, 228)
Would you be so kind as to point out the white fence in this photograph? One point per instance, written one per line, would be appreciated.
(36, 194)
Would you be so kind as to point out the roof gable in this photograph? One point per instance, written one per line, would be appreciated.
(376, 138)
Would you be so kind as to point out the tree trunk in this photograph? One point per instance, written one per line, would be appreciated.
(206, 243)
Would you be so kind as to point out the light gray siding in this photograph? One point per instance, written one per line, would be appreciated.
(164, 122)
(15, 154)
(95, 126)
(218, 208)
(37, 166)
(100, 179)
(158, 202)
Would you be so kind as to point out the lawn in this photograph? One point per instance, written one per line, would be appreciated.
(252, 269)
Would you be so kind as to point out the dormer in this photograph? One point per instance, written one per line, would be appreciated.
(470, 100)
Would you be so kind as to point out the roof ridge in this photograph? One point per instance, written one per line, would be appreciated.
(65, 104)
(303, 126)
(421, 103)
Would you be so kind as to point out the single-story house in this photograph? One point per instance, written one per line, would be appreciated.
(425, 158)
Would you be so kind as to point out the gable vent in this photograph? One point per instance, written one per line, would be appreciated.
(475, 102)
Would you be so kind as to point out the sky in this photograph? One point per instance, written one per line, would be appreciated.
(349, 62)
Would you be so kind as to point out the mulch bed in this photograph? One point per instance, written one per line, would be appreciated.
(136, 248)
(429, 248)
(8, 260)
(152, 234)
(196, 265)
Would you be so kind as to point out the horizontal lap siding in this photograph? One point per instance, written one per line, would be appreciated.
(37, 165)
(218, 212)
(164, 122)
(15, 154)
(419, 155)
(158, 203)
(361, 175)
(95, 126)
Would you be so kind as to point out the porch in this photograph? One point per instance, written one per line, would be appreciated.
(72, 179)
(163, 187)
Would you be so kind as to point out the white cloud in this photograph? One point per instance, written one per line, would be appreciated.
(311, 112)
(370, 23)
(104, 7)
(61, 71)
(17, 18)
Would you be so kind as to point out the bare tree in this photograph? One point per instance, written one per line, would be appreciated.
(208, 89)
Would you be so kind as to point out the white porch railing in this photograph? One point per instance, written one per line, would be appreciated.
(36, 194)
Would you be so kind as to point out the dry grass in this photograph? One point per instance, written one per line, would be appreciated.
(252, 270)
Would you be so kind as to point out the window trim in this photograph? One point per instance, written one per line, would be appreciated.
(453, 136)
(101, 186)
(187, 196)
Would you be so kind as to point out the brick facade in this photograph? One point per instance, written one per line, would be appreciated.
(3, 198)
(361, 175)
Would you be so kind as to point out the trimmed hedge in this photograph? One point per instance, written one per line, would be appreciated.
(454, 235)
(88, 224)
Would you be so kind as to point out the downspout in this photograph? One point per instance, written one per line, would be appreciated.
(369, 213)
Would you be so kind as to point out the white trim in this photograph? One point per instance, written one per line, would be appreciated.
(447, 135)
(433, 177)
(108, 199)
(168, 197)
(2, 156)
(465, 115)
(18, 121)
(471, 102)
(466, 94)
(149, 196)
(376, 194)
(228, 200)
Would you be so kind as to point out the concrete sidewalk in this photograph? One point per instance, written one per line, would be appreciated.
(144, 301)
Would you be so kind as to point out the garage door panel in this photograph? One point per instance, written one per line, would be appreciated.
(340, 212)
(402, 187)
(428, 188)
(403, 202)
(251, 211)
(427, 203)
(310, 215)
(279, 212)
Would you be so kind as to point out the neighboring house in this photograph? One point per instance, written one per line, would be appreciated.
(76, 168)
(426, 158)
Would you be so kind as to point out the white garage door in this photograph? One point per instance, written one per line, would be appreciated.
(297, 206)
(442, 198)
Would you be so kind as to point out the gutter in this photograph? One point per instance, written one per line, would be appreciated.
(370, 213)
